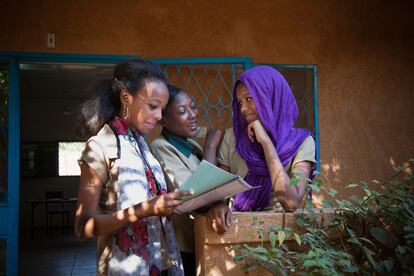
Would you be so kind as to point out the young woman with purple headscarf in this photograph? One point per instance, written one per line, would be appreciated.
(264, 146)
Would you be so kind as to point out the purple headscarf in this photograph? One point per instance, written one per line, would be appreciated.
(278, 113)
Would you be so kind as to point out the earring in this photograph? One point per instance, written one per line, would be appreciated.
(125, 113)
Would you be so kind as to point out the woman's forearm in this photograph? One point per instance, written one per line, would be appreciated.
(104, 224)
(88, 224)
(288, 196)
(209, 154)
(211, 144)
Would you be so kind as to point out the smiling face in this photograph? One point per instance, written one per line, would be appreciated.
(145, 107)
(180, 117)
(246, 103)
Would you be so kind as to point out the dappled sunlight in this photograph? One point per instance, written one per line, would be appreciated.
(228, 263)
(79, 210)
(322, 178)
(120, 215)
(317, 200)
(217, 260)
(216, 271)
(68, 154)
(332, 167)
(407, 168)
(330, 173)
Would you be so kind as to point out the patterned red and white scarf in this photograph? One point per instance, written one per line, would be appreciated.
(147, 246)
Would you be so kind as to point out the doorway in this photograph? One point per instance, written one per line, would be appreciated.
(50, 94)
(10, 130)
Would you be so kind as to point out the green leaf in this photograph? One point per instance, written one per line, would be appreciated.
(352, 185)
(354, 240)
(272, 238)
(297, 238)
(408, 228)
(262, 257)
(259, 249)
(351, 269)
(238, 258)
(256, 221)
(409, 236)
(281, 236)
(380, 235)
(388, 264)
(401, 249)
(317, 182)
(294, 180)
(315, 188)
(369, 255)
(300, 222)
(356, 199)
(311, 254)
(344, 262)
(367, 241)
(309, 263)
(327, 203)
(332, 192)
(397, 168)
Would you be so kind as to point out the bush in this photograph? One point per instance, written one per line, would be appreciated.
(372, 234)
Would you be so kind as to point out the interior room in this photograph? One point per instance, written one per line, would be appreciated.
(50, 97)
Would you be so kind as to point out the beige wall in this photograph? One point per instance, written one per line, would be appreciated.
(363, 50)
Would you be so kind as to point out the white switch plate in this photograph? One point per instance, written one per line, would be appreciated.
(50, 40)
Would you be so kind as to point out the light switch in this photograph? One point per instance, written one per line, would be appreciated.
(50, 40)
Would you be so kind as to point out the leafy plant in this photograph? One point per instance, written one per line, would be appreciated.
(372, 234)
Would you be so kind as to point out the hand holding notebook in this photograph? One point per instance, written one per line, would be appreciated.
(209, 184)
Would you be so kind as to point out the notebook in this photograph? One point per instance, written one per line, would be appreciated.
(209, 184)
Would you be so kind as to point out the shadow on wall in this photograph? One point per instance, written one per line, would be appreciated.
(331, 177)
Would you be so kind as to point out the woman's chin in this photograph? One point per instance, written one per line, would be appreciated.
(251, 119)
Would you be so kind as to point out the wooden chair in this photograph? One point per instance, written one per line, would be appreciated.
(55, 208)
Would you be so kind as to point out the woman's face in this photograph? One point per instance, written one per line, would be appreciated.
(246, 103)
(144, 108)
(180, 117)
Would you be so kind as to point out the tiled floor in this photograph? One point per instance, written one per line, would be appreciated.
(56, 255)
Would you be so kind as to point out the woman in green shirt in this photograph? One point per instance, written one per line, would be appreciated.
(179, 155)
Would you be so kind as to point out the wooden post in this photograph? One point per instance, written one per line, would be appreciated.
(213, 256)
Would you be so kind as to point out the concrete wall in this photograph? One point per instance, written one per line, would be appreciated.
(363, 50)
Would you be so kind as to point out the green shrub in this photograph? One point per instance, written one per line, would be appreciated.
(372, 234)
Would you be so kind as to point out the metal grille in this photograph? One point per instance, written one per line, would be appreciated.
(210, 82)
(211, 85)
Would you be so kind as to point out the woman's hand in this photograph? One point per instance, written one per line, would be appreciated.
(219, 217)
(213, 137)
(163, 205)
(90, 221)
(256, 130)
(212, 142)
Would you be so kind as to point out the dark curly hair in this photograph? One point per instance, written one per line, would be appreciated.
(105, 102)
